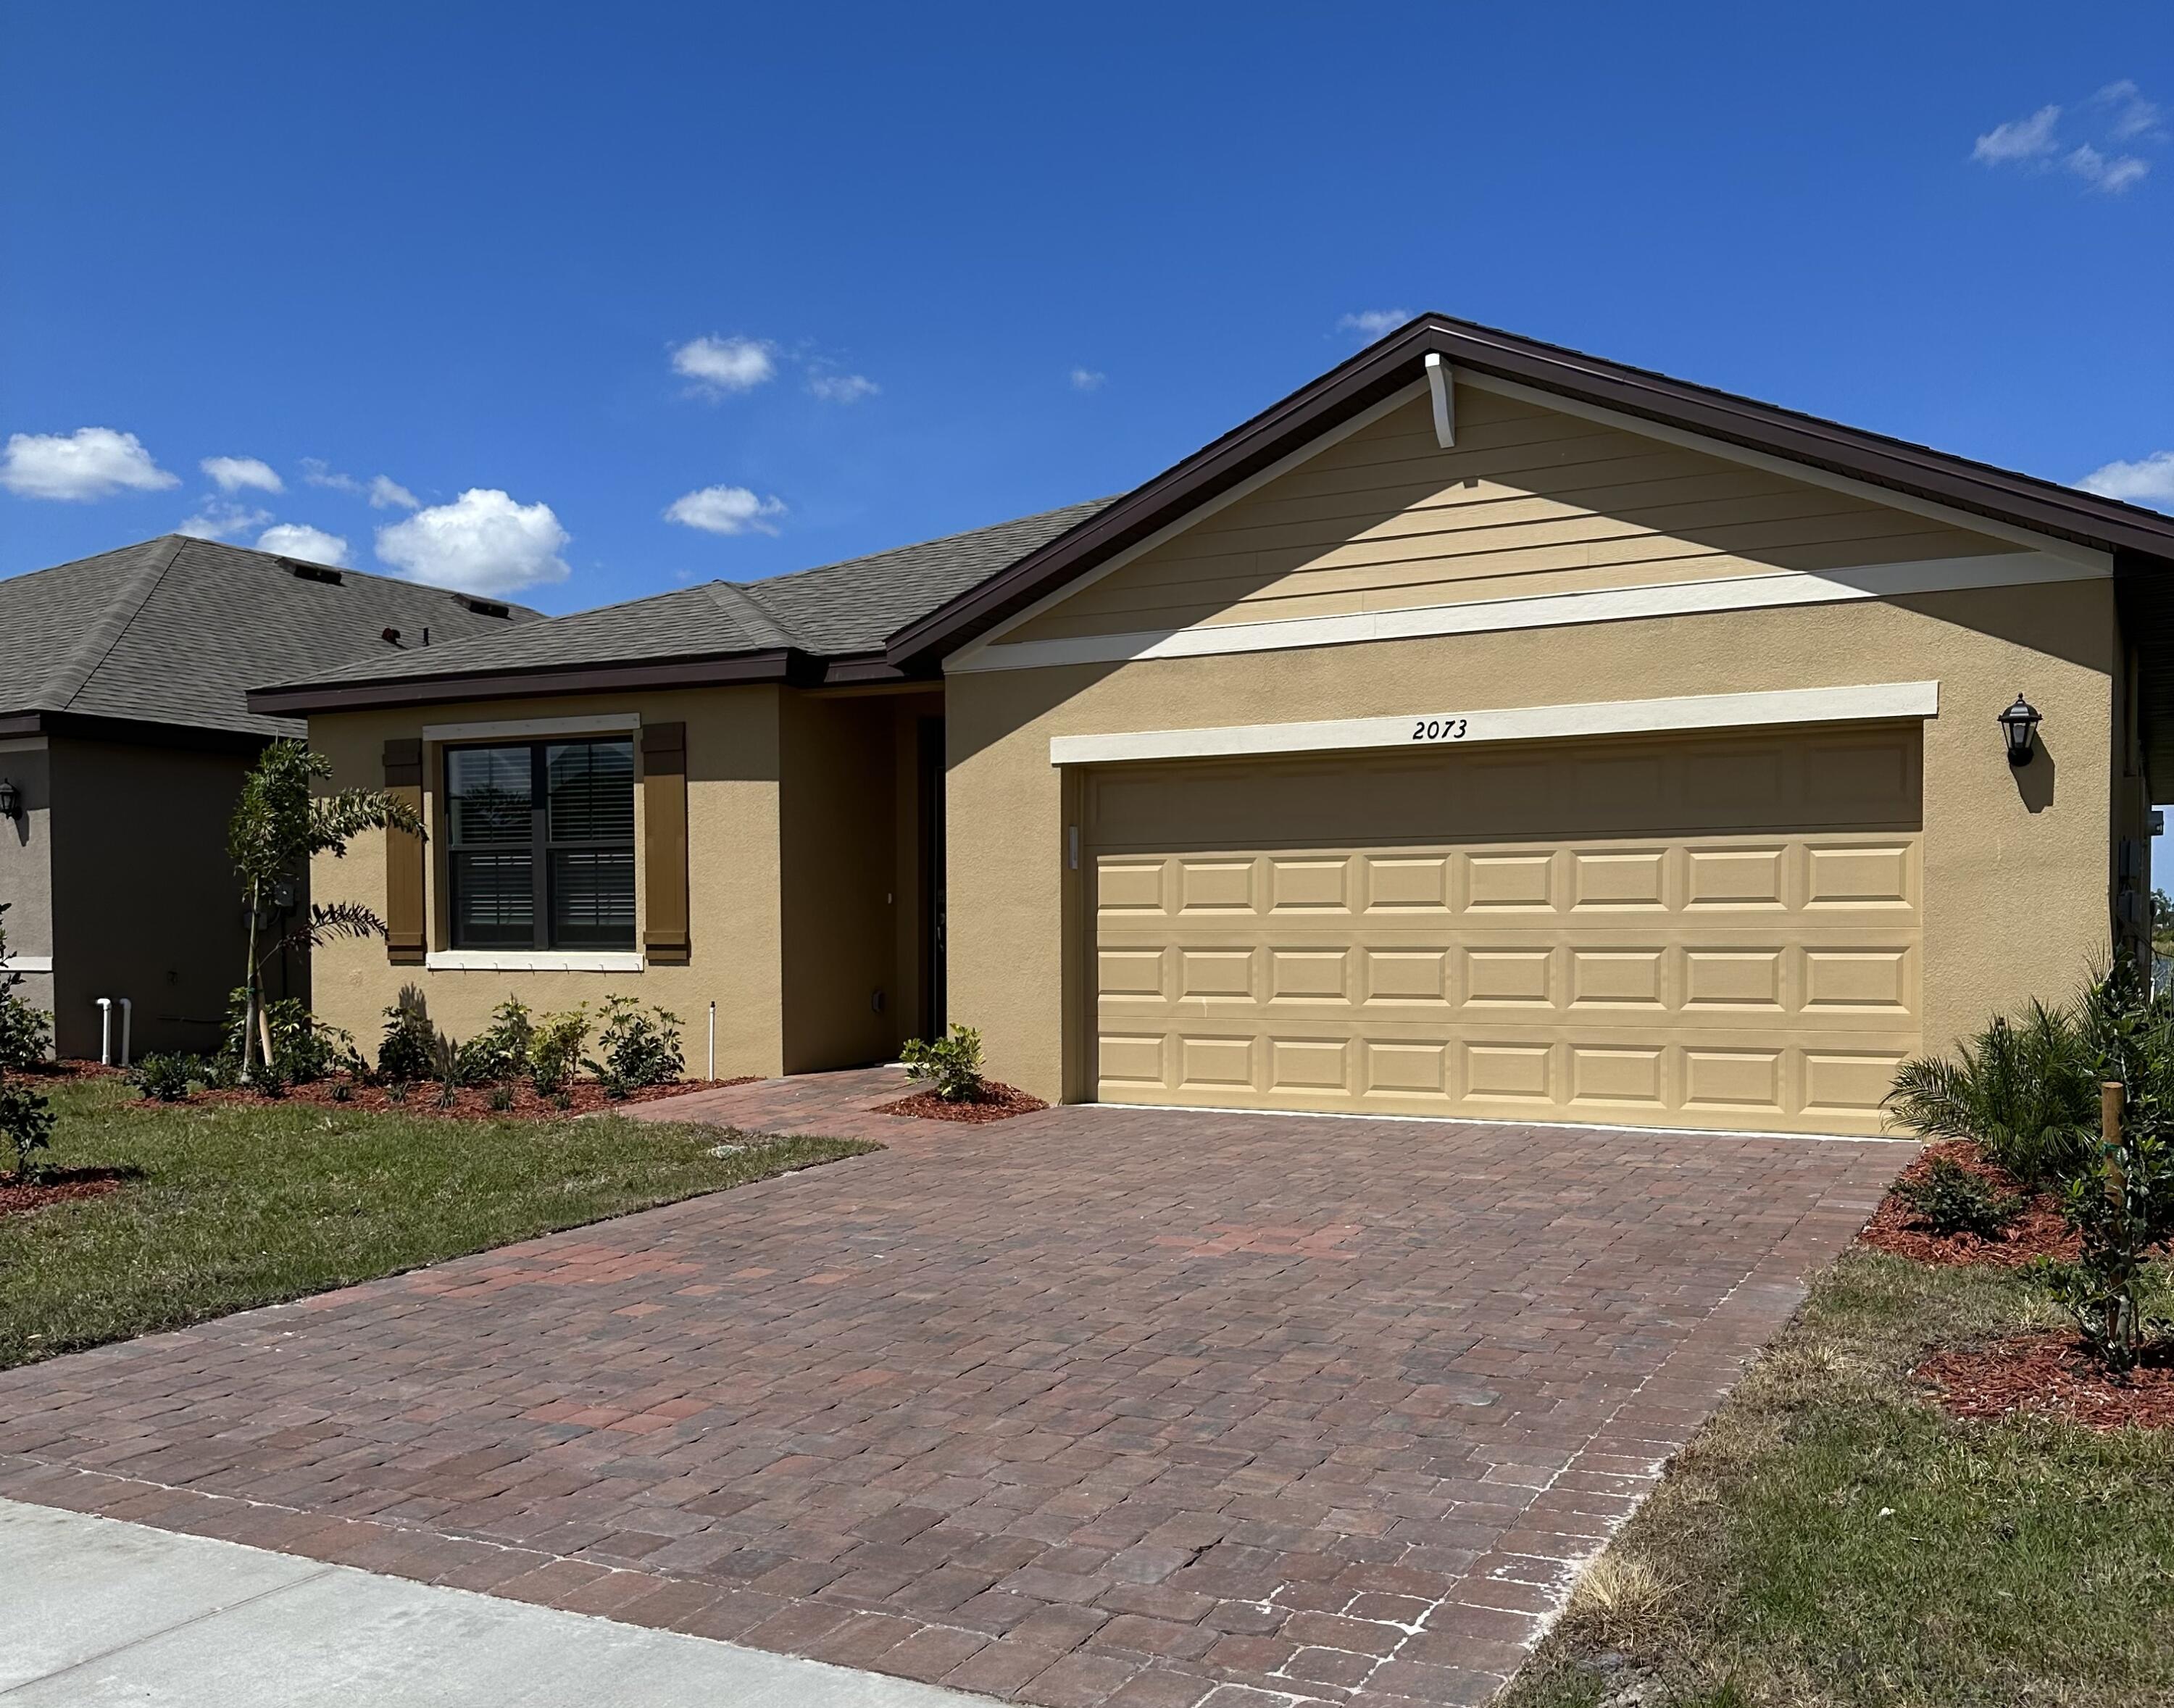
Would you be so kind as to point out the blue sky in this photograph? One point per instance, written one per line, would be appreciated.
(674, 292)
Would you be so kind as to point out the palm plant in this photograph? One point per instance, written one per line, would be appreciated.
(279, 822)
(2028, 1091)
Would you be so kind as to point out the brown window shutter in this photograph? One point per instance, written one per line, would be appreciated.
(405, 940)
(664, 841)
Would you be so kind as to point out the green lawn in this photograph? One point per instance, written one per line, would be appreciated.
(1831, 1538)
(239, 1207)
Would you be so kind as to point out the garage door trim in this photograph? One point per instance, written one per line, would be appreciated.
(1452, 725)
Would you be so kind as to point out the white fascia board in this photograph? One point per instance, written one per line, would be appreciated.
(516, 960)
(1193, 518)
(601, 723)
(1453, 726)
(1539, 611)
(1969, 521)
(26, 964)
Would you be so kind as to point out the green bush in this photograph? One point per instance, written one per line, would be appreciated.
(954, 1062)
(555, 1050)
(447, 1062)
(1952, 1200)
(636, 1049)
(2029, 1092)
(2122, 1206)
(26, 1130)
(165, 1077)
(501, 1050)
(304, 1050)
(26, 1034)
(406, 1052)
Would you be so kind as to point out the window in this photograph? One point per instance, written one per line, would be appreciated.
(540, 852)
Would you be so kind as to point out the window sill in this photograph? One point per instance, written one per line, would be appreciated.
(532, 960)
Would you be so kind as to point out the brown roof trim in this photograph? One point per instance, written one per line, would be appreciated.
(139, 732)
(1399, 359)
(778, 664)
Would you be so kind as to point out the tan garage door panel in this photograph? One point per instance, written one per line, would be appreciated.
(1708, 933)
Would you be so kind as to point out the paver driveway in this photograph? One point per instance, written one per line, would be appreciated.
(1093, 1405)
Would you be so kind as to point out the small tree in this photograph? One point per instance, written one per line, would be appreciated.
(279, 824)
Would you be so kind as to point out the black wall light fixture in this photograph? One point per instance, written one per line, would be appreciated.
(2019, 725)
(11, 798)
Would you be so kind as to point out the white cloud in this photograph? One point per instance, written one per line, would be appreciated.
(2120, 115)
(1087, 380)
(842, 388)
(2111, 174)
(88, 463)
(219, 522)
(233, 474)
(294, 539)
(719, 365)
(387, 494)
(2133, 116)
(482, 543)
(1373, 322)
(2149, 480)
(319, 473)
(2019, 139)
(725, 510)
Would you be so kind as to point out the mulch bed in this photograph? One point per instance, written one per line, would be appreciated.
(2052, 1373)
(471, 1102)
(998, 1102)
(2038, 1230)
(20, 1196)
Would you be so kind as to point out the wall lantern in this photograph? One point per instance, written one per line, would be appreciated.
(2020, 723)
(11, 798)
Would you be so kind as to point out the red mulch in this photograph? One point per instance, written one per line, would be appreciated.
(2052, 1373)
(68, 1070)
(471, 1102)
(998, 1102)
(2038, 1230)
(20, 1196)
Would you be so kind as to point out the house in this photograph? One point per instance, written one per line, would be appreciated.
(1484, 730)
(123, 742)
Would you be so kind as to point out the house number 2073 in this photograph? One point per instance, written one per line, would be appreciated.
(1438, 729)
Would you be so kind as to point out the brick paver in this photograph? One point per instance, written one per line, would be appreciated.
(1090, 1407)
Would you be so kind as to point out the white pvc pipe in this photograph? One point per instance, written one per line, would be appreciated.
(712, 1073)
(105, 1031)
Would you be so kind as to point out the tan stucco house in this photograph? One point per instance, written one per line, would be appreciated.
(1485, 730)
(123, 742)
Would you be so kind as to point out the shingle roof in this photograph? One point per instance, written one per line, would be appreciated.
(176, 631)
(833, 611)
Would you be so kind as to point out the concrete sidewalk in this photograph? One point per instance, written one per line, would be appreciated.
(96, 1610)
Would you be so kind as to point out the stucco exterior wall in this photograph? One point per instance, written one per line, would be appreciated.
(144, 902)
(2016, 862)
(26, 864)
(734, 879)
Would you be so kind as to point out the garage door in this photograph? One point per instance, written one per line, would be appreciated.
(1708, 931)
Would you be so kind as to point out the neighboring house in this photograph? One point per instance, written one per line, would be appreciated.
(124, 736)
(1485, 730)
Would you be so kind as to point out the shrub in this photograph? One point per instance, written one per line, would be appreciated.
(501, 1050)
(2121, 1205)
(404, 1054)
(954, 1062)
(2029, 1092)
(26, 1130)
(501, 1099)
(25, 1033)
(303, 1049)
(165, 1077)
(445, 1063)
(555, 1050)
(636, 1049)
(1952, 1200)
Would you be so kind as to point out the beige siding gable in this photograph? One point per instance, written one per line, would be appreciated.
(1530, 501)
